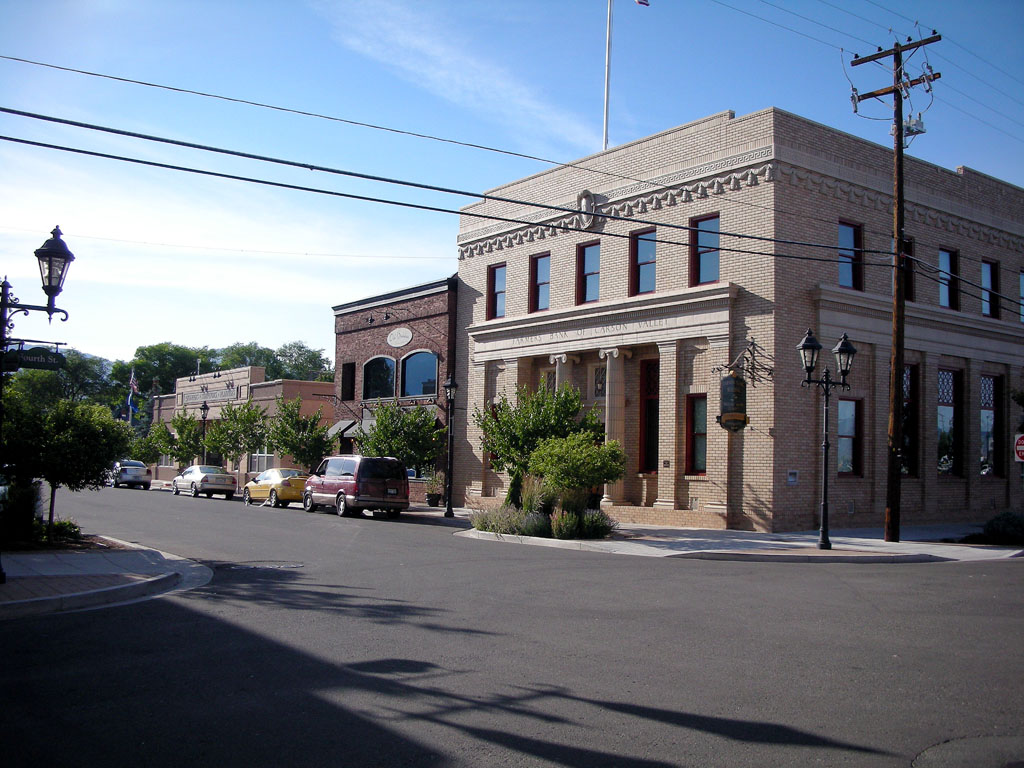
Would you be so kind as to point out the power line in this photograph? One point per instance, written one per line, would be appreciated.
(399, 203)
(927, 270)
(389, 180)
(814, 21)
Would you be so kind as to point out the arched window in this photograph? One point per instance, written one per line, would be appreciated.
(419, 374)
(379, 378)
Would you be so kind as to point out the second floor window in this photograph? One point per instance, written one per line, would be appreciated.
(643, 262)
(496, 291)
(851, 263)
(540, 282)
(419, 375)
(588, 273)
(949, 279)
(989, 289)
(379, 378)
(704, 266)
(348, 381)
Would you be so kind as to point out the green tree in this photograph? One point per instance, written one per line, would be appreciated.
(300, 362)
(241, 430)
(513, 430)
(301, 437)
(575, 464)
(165, 362)
(241, 355)
(79, 444)
(83, 378)
(150, 447)
(187, 443)
(411, 436)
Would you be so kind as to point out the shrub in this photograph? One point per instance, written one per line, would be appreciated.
(506, 519)
(564, 525)
(1005, 528)
(537, 524)
(537, 495)
(595, 524)
(63, 530)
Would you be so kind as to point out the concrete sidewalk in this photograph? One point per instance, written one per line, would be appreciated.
(48, 582)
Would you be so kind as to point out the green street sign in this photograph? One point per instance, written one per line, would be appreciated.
(37, 357)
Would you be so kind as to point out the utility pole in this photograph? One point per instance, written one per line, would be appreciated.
(896, 364)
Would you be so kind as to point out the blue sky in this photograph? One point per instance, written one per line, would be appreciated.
(167, 256)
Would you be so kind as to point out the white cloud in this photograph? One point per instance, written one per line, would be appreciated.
(414, 44)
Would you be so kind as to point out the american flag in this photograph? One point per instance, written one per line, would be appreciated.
(644, 3)
(133, 385)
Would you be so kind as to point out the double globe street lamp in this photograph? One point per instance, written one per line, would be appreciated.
(450, 388)
(844, 352)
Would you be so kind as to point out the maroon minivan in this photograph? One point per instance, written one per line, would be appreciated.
(353, 484)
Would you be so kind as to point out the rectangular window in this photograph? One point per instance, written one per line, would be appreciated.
(949, 279)
(600, 374)
(1022, 296)
(696, 434)
(348, 381)
(704, 262)
(851, 257)
(911, 420)
(650, 383)
(540, 282)
(991, 426)
(989, 289)
(496, 291)
(848, 452)
(909, 289)
(642, 262)
(588, 272)
(260, 462)
(950, 423)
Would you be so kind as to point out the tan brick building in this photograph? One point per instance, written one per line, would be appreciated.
(236, 386)
(643, 311)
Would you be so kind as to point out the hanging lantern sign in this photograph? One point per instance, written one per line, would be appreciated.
(734, 402)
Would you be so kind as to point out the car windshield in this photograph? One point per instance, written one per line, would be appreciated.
(381, 469)
(212, 471)
(130, 463)
(291, 473)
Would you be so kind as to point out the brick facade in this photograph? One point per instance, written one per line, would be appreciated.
(773, 175)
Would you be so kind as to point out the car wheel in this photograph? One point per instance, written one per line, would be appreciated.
(246, 498)
(174, 487)
(343, 510)
(307, 502)
(393, 513)
(116, 484)
(274, 502)
(195, 491)
(209, 494)
(229, 496)
(145, 487)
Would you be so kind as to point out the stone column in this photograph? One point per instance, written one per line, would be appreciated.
(669, 440)
(614, 411)
(563, 368)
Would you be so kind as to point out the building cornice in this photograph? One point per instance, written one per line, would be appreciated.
(636, 199)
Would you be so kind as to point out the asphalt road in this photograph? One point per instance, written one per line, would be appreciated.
(359, 642)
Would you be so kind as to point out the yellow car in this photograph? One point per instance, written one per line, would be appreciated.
(277, 487)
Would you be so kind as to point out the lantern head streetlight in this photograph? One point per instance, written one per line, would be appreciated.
(204, 410)
(809, 349)
(54, 259)
(844, 352)
(450, 388)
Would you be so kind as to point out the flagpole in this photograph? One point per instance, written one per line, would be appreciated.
(607, 71)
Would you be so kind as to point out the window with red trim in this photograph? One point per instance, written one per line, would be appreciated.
(540, 282)
(588, 272)
(642, 262)
(704, 254)
(496, 291)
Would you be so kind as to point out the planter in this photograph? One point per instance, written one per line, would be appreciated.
(433, 499)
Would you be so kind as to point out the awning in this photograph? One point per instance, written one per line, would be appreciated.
(341, 427)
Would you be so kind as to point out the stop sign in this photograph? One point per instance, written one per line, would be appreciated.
(1018, 447)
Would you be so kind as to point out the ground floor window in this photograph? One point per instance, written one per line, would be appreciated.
(991, 425)
(260, 462)
(848, 451)
(911, 419)
(949, 422)
(696, 434)
(649, 415)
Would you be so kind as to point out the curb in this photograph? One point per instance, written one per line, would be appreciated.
(791, 557)
(81, 600)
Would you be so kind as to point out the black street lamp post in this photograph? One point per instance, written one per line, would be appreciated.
(450, 388)
(844, 352)
(54, 258)
(204, 411)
